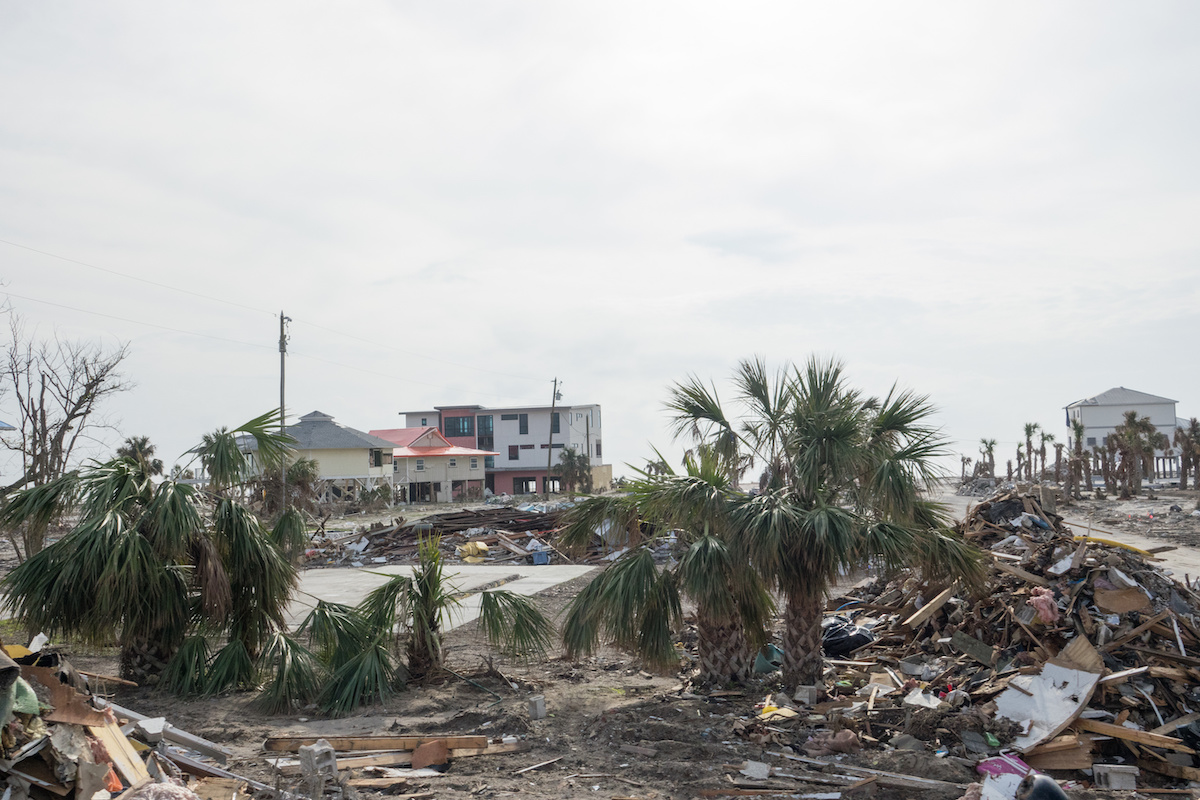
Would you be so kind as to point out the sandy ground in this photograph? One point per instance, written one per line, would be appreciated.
(595, 706)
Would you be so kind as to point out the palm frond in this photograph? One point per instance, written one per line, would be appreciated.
(290, 534)
(231, 668)
(295, 676)
(186, 671)
(367, 676)
(386, 607)
(514, 624)
(337, 631)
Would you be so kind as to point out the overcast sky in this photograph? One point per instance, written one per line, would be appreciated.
(995, 204)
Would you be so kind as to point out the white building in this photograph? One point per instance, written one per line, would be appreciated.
(526, 439)
(1102, 414)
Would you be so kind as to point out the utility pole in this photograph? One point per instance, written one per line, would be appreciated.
(283, 340)
(550, 444)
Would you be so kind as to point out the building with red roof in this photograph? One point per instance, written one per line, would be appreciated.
(427, 467)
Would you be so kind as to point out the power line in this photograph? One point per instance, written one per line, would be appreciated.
(234, 341)
(136, 278)
(406, 353)
(138, 322)
(410, 354)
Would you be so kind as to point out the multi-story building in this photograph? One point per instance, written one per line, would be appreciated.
(1102, 414)
(527, 440)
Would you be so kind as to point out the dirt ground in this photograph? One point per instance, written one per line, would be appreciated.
(1144, 516)
(595, 706)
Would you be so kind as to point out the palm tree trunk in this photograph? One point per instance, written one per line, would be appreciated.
(143, 659)
(723, 651)
(802, 660)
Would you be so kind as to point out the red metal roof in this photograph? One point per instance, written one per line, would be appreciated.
(404, 437)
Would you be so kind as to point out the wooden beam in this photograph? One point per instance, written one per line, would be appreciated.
(1174, 724)
(292, 744)
(1136, 632)
(1131, 735)
(1029, 577)
(929, 609)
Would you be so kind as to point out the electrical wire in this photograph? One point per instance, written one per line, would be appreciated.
(406, 353)
(234, 341)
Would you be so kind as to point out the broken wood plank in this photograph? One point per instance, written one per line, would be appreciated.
(292, 744)
(1136, 632)
(1124, 675)
(1175, 724)
(1170, 770)
(538, 766)
(1028, 577)
(126, 761)
(929, 609)
(1131, 735)
(894, 777)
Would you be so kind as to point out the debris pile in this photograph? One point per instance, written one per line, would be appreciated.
(1082, 654)
(59, 740)
(509, 533)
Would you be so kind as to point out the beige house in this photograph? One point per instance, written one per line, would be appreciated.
(350, 461)
(426, 467)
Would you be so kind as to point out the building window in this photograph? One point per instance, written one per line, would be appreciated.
(556, 445)
(526, 447)
(424, 422)
(555, 426)
(598, 448)
(509, 417)
(474, 463)
(460, 426)
(375, 458)
(420, 465)
(489, 462)
(1091, 440)
(523, 423)
(453, 463)
(485, 424)
(513, 452)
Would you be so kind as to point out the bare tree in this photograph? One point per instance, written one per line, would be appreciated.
(57, 386)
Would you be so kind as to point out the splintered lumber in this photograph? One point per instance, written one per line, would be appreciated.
(125, 759)
(885, 778)
(1131, 735)
(399, 758)
(1170, 770)
(1175, 724)
(1029, 577)
(929, 609)
(539, 765)
(292, 744)
(1136, 632)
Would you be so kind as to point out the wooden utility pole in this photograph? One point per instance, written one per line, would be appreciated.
(550, 444)
(282, 405)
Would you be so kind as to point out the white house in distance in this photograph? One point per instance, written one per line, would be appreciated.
(428, 468)
(1102, 414)
(522, 438)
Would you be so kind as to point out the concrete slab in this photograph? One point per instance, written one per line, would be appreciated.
(350, 585)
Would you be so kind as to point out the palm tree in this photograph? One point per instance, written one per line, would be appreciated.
(847, 476)
(1188, 441)
(575, 469)
(1030, 429)
(987, 449)
(139, 450)
(1137, 439)
(1020, 460)
(1080, 462)
(966, 462)
(1044, 439)
(635, 605)
(152, 565)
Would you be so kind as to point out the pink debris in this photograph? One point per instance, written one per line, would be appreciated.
(1043, 602)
